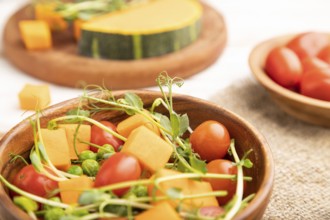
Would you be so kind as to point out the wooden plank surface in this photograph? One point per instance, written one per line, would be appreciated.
(63, 66)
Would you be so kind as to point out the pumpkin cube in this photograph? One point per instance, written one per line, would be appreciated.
(36, 34)
(83, 134)
(33, 97)
(77, 28)
(125, 127)
(187, 187)
(161, 211)
(71, 189)
(57, 147)
(46, 12)
(150, 149)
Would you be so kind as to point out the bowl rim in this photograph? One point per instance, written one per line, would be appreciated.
(259, 73)
(266, 185)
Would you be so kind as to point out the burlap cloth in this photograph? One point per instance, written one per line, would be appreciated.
(301, 153)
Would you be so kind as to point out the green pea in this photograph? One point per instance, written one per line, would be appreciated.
(26, 204)
(104, 152)
(87, 154)
(90, 167)
(75, 170)
(54, 214)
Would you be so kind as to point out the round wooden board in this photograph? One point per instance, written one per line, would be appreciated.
(62, 65)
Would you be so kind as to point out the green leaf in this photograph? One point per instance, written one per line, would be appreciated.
(26, 204)
(197, 163)
(175, 125)
(184, 124)
(181, 167)
(247, 163)
(134, 100)
(35, 160)
(165, 122)
(174, 193)
(76, 112)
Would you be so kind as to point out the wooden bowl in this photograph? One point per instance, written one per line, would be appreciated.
(307, 109)
(19, 140)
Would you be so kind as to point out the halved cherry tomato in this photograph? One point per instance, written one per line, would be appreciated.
(308, 44)
(316, 84)
(312, 63)
(210, 140)
(284, 67)
(101, 137)
(29, 180)
(222, 166)
(119, 167)
(325, 54)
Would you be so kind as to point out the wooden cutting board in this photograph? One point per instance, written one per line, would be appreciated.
(63, 66)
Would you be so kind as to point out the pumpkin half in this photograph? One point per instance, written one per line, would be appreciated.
(148, 30)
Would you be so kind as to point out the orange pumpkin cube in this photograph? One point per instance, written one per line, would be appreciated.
(36, 35)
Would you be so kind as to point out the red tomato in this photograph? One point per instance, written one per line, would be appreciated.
(325, 54)
(210, 140)
(222, 166)
(29, 180)
(312, 63)
(308, 44)
(118, 168)
(316, 84)
(211, 211)
(101, 137)
(284, 67)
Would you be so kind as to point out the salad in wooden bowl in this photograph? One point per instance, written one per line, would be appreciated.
(135, 155)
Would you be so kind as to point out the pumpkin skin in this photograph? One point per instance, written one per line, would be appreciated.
(113, 36)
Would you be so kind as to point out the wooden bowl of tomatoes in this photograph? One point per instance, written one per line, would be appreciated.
(208, 122)
(295, 70)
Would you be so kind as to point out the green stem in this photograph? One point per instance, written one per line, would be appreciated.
(125, 202)
(92, 121)
(125, 184)
(51, 165)
(32, 215)
(184, 197)
(147, 116)
(239, 186)
(98, 215)
(179, 157)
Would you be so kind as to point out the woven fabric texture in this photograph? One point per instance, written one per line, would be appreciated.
(301, 153)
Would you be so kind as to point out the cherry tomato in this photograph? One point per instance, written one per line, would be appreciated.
(312, 63)
(308, 44)
(222, 166)
(29, 180)
(210, 140)
(211, 211)
(101, 137)
(325, 54)
(118, 168)
(284, 67)
(316, 84)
